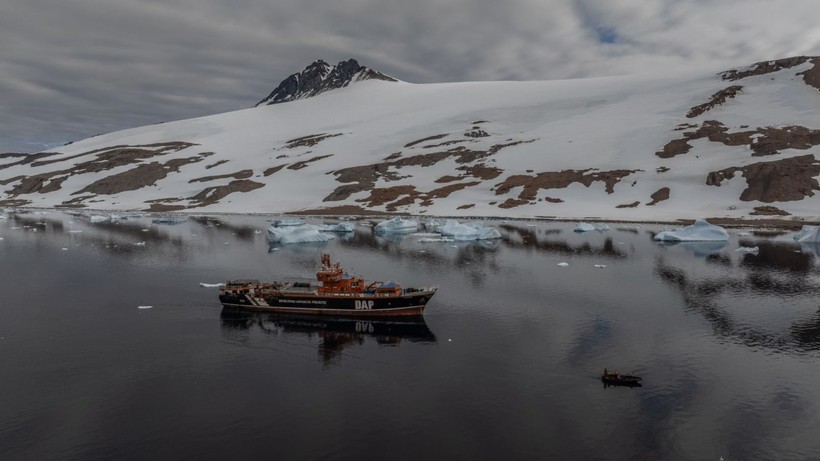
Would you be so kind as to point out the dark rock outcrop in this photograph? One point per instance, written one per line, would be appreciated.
(320, 77)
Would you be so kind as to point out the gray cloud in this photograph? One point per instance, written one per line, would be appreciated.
(74, 68)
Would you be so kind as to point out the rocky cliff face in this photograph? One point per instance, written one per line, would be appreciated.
(319, 77)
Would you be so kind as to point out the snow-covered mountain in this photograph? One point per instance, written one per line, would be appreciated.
(734, 143)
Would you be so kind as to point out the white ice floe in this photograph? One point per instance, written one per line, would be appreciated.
(144, 307)
(210, 285)
(563, 264)
(305, 233)
(340, 227)
(808, 234)
(700, 231)
(754, 250)
(600, 266)
(139, 244)
(397, 225)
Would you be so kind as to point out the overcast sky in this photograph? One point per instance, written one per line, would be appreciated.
(70, 69)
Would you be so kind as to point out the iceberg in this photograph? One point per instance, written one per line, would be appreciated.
(700, 231)
(169, 220)
(340, 227)
(284, 222)
(699, 249)
(584, 227)
(753, 250)
(436, 239)
(808, 234)
(95, 218)
(432, 226)
(397, 225)
(306, 233)
(468, 231)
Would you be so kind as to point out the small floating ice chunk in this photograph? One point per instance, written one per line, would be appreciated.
(144, 307)
(700, 231)
(65, 249)
(139, 244)
(743, 234)
(210, 285)
(600, 266)
(563, 264)
(754, 250)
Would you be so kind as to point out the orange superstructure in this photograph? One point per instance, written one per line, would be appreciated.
(335, 281)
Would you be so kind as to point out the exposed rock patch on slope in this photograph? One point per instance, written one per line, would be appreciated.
(102, 160)
(715, 100)
(778, 181)
(761, 141)
(531, 185)
(364, 178)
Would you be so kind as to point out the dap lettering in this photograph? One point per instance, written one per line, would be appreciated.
(363, 305)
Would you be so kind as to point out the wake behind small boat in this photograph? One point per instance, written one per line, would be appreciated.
(336, 293)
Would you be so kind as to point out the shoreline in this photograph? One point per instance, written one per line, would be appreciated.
(794, 223)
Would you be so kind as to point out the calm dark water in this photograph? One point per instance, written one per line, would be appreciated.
(505, 364)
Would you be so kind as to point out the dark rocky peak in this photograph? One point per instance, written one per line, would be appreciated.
(319, 77)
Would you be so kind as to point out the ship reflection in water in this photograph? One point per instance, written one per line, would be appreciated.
(334, 334)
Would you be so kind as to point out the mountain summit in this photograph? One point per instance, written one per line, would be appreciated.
(319, 77)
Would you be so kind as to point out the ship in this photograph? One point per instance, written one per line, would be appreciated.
(335, 293)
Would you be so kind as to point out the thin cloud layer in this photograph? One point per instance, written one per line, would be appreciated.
(72, 69)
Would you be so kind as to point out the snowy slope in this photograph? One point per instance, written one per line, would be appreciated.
(571, 149)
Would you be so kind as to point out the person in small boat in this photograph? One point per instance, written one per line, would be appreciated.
(611, 374)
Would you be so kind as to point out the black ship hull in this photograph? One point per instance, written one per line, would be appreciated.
(332, 305)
